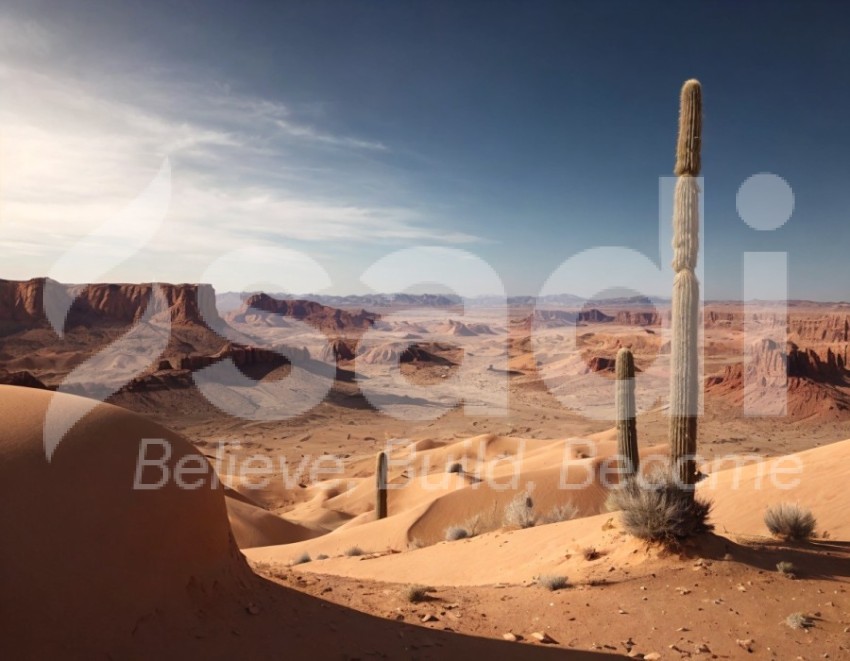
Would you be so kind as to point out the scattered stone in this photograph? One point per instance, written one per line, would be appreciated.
(543, 637)
(429, 618)
(252, 609)
(652, 656)
(746, 644)
(703, 649)
(512, 637)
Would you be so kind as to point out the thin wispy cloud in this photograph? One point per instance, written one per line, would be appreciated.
(246, 170)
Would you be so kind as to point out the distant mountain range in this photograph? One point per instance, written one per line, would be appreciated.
(229, 301)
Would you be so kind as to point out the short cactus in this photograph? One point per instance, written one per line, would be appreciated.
(684, 381)
(627, 445)
(381, 486)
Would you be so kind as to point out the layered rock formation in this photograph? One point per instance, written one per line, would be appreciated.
(399, 352)
(21, 378)
(321, 317)
(23, 303)
(799, 382)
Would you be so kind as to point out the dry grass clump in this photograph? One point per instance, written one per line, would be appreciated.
(563, 512)
(790, 522)
(787, 569)
(354, 551)
(301, 559)
(322, 556)
(552, 582)
(798, 621)
(520, 512)
(590, 553)
(454, 533)
(416, 593)
(654, 508)
(456, 467)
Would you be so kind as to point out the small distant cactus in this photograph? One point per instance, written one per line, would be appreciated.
(627, 445)
(684, 363)
(381, 486)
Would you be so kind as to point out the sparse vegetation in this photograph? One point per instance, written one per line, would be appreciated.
(301, 559)
(563, 512)
(353, 551)
(790, 522)
(321, 556)
(454, 533)
(590, 553)
(798, 621)
(416, 593)
(520, 512)
(655, 508)
(786, 568)
(552, 582)
(456, 467)
(415, 543)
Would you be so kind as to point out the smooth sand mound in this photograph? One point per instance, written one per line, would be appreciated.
(740, 495)
(92, 569)
(86, 556)
(254, 526)
(813, 478)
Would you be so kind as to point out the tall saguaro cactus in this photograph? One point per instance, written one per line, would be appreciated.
(624, 396)
(684, 368)
(381, 486)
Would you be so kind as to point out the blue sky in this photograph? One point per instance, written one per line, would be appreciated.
(521, 132)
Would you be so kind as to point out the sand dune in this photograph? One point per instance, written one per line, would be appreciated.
(740, 495)
(93, 568)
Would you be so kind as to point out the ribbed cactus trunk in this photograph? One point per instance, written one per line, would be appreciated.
(381, 486)
(627, 444)
(684, 368)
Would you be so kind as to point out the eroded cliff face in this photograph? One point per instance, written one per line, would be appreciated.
(100, 314)
(810, 381)
(321, 317)
(22, 303)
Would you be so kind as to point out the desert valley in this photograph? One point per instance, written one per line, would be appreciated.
(287, 548)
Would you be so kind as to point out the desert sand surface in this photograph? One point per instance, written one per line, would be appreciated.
(475, 409)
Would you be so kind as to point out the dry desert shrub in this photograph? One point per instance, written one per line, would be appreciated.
(563, 512)
(790, 522)
(301, 559)
(590, 553)
(416, 593)
(353, 551)
(786, 568)
(519, 513)
(798, 621)
(454, 533)
(552, 582)
(656, 509)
